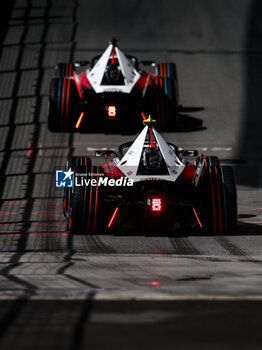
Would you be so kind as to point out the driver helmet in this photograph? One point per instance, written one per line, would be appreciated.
(151, 158)
(112, 72)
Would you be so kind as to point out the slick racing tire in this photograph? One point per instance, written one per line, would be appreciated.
(76, 164)
(220, 212)
(212, 161)
(167, 97)
(86, 201)
(62, 96)
(63, 70)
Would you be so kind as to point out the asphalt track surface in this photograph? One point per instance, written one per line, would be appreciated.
(59, 291)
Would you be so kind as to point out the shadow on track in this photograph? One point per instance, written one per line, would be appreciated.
(11, 312)
(6, 8)
(62, 324)
(133, 324)
(242, 229)
(249, 229)
(251, 147)
(187, 123)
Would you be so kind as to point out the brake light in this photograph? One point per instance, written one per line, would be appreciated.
(111, 111)
(156, 204)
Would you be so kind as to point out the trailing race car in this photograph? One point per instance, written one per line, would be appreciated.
(111, 89)
(152, 186)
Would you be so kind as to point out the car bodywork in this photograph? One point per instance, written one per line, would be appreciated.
(109, 93)
(170, 190)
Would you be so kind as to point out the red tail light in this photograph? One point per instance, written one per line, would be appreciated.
(111, 111)
(156, 204)
(198, 220)
(112, 217)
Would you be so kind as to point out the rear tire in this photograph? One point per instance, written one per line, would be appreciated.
(62, 94)
(220, 211)
(63, 70)
(212, 161)
(86, 201)
(230, 198)
(167, 97)
(76, 164)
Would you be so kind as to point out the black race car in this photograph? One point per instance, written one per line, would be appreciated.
(151, 186)
(109, 93)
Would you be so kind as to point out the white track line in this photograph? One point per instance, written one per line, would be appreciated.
(151, 297)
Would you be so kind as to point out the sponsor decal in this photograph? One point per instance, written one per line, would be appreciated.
(151, 179)
(112, 89)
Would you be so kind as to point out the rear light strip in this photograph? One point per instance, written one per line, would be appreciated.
(79, 120)
(112, 217)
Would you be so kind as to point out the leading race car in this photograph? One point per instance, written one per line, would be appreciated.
(109, 93)
(151, 186)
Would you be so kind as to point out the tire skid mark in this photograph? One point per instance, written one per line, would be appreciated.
(95, 245)
(183, 246)
(230, 247)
